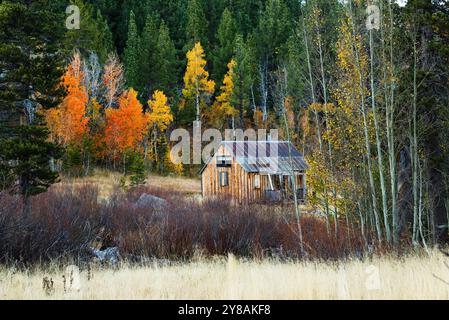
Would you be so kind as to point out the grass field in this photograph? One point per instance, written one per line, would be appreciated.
(107, 181)
(382, 278)
(417, 276)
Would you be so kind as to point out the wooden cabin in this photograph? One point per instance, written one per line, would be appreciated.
(255, 171)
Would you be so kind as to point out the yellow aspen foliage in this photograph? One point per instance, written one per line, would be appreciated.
(170, 165)
(95, 109)
(308, 123)
(321, 182)
(318, 178)
(160, 114)
(196, 78)
(289, 111)
(223, 107)
(52, 118)
(342, 126)
(346, 123)
(258, 119)
(291, 120)
(159, 118)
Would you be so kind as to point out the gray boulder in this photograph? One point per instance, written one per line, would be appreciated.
(148, 201)
(109, 255)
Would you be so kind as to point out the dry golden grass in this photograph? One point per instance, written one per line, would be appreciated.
(107, 181)
(408, 278)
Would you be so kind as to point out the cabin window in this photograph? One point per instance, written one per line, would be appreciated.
(257, 181)
(224, 162)
(224, 179)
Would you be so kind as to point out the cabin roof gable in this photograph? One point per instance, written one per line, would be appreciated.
(267, 157)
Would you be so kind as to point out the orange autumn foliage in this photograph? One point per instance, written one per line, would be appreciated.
(126, 126)
(68, 122)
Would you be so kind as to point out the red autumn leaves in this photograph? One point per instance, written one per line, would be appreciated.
(113, 129)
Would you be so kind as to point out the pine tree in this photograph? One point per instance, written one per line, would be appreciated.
(29, 154)
(31, 64)
(197, 25)
(147, 56)
(226, 33)
(166, 66)
(246, 14)
(105, 44)
(131, 55)
(136, 169)
(273, 30)
(245, 74)
(94, 33)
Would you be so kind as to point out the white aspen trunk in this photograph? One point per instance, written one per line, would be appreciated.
(282, 96)
(362, 221)
(197, 102)
(317, 121)
(420, 209)
(414, 143)
(389, 118)
(326, 114)
(391, 140)
(312, 87)
(264, 91)
(366, 133)
(197, 93)
(253, 99)
(155, 137)
(378, 143)
(295, 188)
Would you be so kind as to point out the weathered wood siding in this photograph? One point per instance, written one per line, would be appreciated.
(241, 186)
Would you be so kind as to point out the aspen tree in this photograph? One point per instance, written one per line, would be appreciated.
(159, 118)
(196, 79)
(378, 140)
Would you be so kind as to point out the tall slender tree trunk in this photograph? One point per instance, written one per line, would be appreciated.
(295, 188)
(329, 145)
(414, 145)
(312, 86)
(420, 209)
(264, 90)
(317, 122)
(197, 103)
(378, 143)
(366, 132)
(389, 92)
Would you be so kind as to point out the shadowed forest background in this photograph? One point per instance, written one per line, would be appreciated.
(369, 107)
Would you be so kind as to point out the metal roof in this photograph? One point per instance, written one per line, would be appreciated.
(267, 157)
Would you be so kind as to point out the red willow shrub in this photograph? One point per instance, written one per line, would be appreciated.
(67, 220)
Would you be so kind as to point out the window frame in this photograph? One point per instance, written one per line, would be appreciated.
(257, 181)
(223, 179)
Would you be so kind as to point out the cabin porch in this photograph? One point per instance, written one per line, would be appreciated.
(281, 188)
